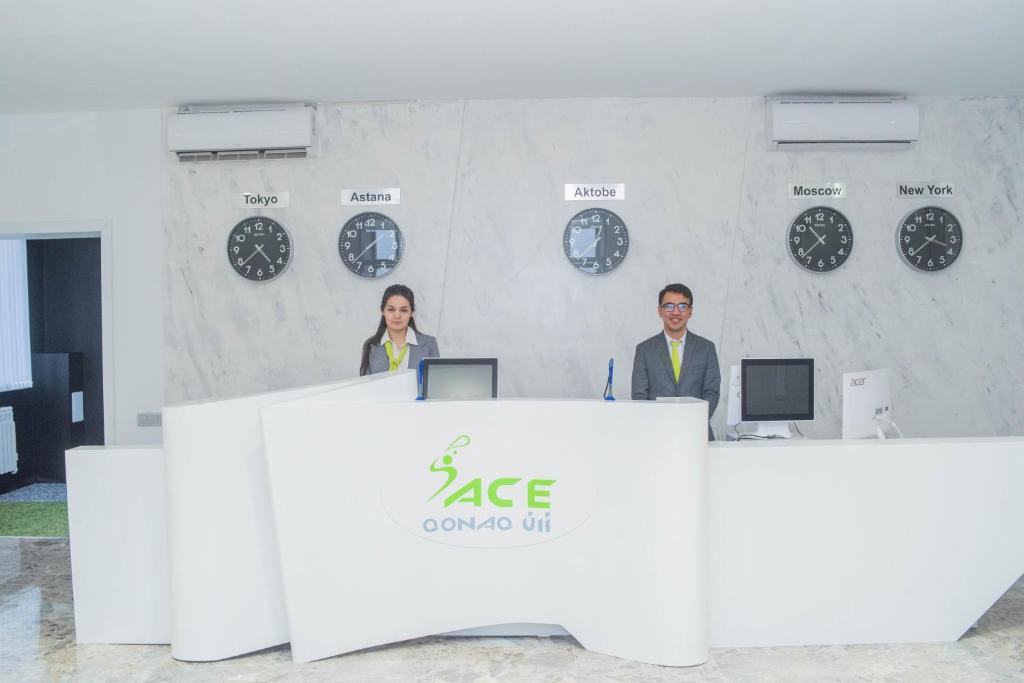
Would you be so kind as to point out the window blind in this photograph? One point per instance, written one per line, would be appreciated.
(15, 345)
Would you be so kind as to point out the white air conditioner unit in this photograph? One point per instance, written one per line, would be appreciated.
(240, 132)
(842, 121)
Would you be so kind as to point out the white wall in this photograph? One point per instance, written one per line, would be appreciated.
(100, 173)
(483, 214)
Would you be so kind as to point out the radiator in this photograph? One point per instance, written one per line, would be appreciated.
(8, 442)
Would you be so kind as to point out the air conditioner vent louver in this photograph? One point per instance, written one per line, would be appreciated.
(243, 155)
(240, 155)
(196, 156)
(284, 154)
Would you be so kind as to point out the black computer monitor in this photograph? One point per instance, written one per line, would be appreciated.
(776, 389)
(460, 378)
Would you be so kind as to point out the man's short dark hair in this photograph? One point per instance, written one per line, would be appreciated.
(678, 289)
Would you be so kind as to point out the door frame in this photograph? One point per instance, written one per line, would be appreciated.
(80, 229)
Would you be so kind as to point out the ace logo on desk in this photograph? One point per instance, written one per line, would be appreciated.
(538, 490)
(471, 500)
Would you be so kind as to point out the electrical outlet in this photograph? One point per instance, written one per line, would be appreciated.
(149, 420)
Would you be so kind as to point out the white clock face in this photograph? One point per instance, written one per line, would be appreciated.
(595, 241)
(259, 248)
(371, 245)
(929, 239)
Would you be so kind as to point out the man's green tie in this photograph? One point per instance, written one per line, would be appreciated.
(393, 362)
(675, 359)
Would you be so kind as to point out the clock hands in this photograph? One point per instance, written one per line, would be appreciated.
(600, 231)
(252, 254)
(808, 252)
(927, 240)
(368, 248)
(259, 248)
(821, 240)
(592, 245)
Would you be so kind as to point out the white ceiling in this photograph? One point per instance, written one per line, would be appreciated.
(67, 55)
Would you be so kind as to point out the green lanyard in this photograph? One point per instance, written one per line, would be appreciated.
(393, 362)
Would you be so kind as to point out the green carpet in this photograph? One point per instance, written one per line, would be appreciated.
(33, 519)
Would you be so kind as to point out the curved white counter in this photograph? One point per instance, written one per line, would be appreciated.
(585, 514)
(841, 542)
(316, 526)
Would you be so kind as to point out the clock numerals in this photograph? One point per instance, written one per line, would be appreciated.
(929, 239)
(820, 239)
(259, 248)
(595, 241)
(370, 245)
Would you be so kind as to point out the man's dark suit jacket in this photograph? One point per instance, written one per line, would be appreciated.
(699, 376)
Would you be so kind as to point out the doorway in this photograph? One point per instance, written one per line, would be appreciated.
(65, 406)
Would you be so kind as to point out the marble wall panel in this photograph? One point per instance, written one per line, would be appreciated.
(483, 214)
(227, 336)
(515, 295)
(952, 339)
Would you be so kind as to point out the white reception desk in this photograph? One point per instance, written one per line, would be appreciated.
(350, 515)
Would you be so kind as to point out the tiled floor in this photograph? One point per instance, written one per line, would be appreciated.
(37, 644)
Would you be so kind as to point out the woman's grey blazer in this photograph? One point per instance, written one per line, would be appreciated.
(425, 348)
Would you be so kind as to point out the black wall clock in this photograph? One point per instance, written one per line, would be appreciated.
(259, 248)
(595, 241)
(820, 239)
(929, 239)
(370, 244)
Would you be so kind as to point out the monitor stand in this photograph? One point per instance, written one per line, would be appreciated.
(772, 430)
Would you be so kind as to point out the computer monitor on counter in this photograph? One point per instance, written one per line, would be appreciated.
(867, 404)
(459, 378)
(775, 392)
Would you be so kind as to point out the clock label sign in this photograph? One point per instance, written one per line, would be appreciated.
(925, 190)
(382, 195)
(588, 192)
(817, 190)
(261, 200)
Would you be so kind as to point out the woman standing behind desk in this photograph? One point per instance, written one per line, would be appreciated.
(397, 344)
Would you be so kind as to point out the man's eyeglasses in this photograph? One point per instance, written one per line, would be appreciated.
(668, 308)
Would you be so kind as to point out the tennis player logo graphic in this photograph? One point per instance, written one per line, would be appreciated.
(446, 462)
(473, 493)
(501, 492)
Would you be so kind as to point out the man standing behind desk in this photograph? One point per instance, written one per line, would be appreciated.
(675, 362)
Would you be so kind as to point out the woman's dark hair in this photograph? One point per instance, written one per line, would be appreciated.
(382, 326)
